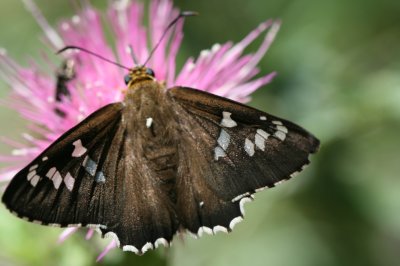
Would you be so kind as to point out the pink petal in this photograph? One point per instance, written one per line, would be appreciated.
(108, 248)
(89, 234)
(67, 233)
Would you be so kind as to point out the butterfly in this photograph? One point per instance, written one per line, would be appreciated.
(159, 162)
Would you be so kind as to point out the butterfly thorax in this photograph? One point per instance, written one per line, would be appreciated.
(152, 129)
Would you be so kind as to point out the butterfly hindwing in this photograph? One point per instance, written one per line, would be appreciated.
(231, 151)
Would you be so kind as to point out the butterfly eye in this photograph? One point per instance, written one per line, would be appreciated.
(150, 72)
(127, 79)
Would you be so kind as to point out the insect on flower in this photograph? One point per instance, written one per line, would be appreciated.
(159, 161)
(64, 75)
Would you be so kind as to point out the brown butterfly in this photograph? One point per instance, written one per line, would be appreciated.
(160, 161)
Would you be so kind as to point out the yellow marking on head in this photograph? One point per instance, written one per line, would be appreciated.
(139, 74)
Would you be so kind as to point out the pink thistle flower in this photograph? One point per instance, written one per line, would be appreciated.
(223, 70)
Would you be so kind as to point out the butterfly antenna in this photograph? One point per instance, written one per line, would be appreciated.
(70, 47)
(133, 55)
(180, 16)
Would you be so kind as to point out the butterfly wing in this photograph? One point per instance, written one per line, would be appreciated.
(229, 151)
(63, 185)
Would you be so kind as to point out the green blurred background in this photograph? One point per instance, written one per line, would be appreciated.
(339, 76)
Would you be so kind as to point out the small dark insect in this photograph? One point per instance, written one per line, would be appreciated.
(64, 75)
(160, 161)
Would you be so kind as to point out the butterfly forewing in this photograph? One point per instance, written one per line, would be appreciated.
(58, 186)
(238, 141)
(231, 150)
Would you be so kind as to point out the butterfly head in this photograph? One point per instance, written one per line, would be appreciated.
(139, 73)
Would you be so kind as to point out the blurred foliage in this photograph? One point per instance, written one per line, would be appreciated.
(338, 64)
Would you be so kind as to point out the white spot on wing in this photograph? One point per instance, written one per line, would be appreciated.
(242, 202)
(201, 204)
(33, 167)
(260, 189)
(51, 172)
(147, 247)
(45, 158)
(249, 147)
(260, 138)
(294, 174)
(227, 121)
(219, 152)
(149, 122)
(96, 226)
(260, 142)
(280, 182)
(100, 177)
(263, 134)
(130, 248)
(35, 180)
(224, 139)
(204, 229)
(31, 174)
(69, 181)
(235, 221)
(57, 179)
(263, 118)
(54, 225)
(240, 196)
(90, 166)
(79, 150)
(282, 128)
(219, 228)
(280, 135)
(161, 241)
